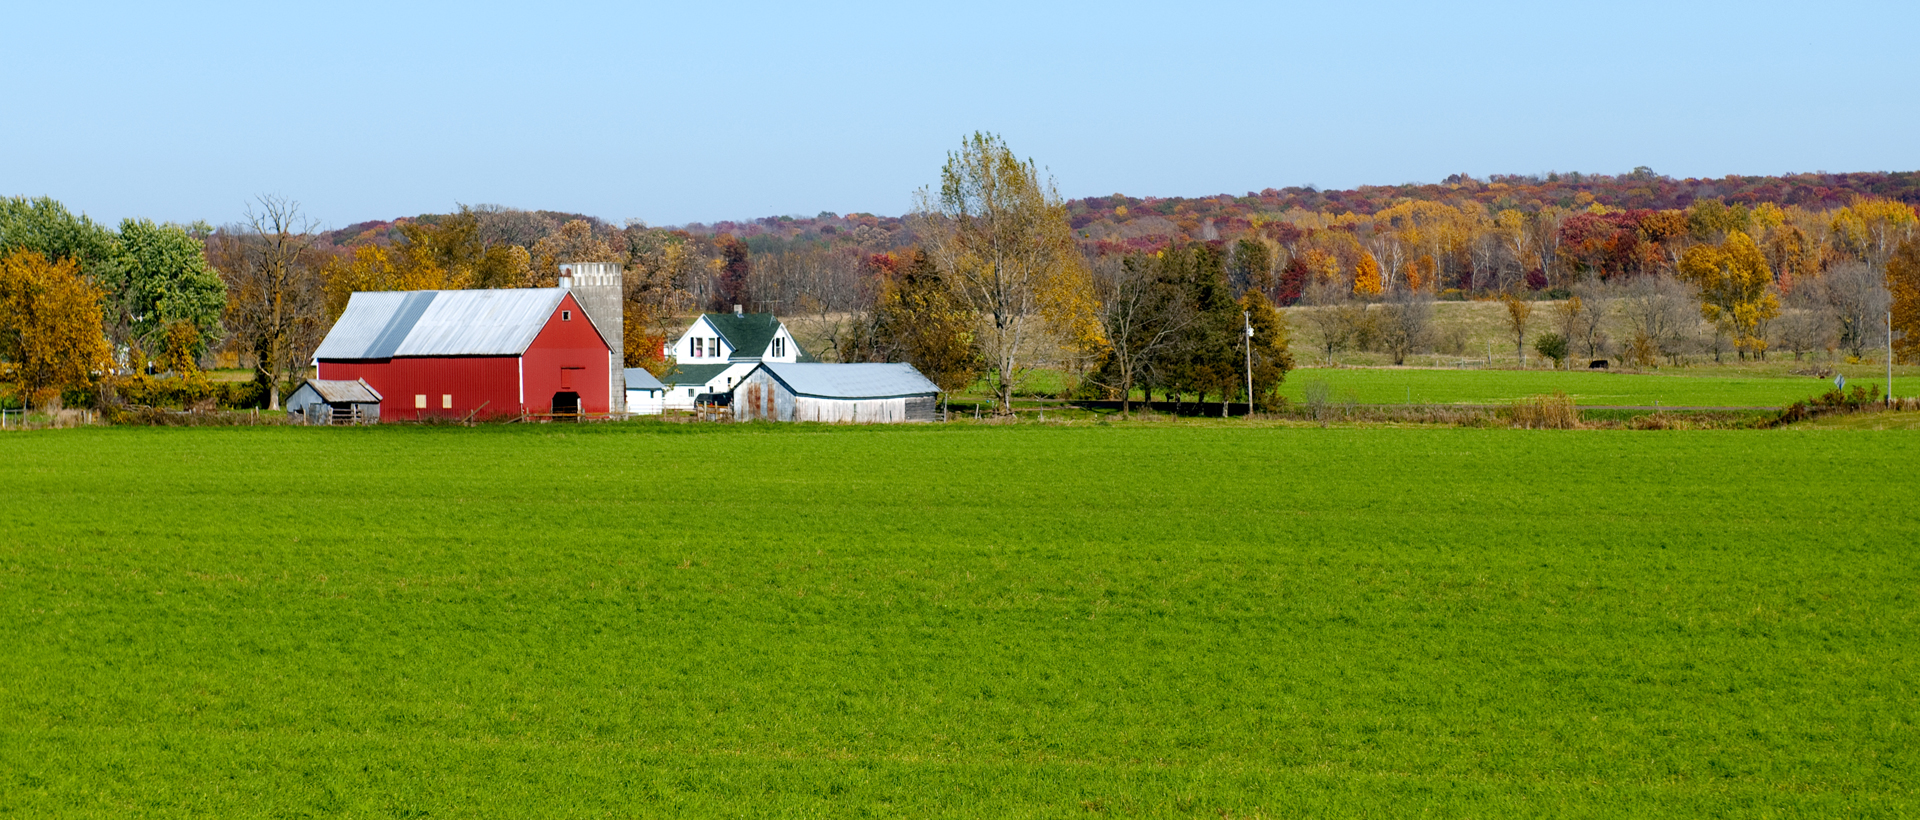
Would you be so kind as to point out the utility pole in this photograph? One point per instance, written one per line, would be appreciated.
(1889, 356)
(1247, 317)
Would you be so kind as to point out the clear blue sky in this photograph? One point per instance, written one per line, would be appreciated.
(701, 112)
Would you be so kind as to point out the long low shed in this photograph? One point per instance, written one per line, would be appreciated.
(842, 393)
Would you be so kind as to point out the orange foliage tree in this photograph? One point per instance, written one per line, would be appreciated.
(50, 326)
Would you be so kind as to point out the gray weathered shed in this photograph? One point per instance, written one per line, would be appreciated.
(853, 393)
(334, 401)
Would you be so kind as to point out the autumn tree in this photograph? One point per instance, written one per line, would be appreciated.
(1517, 312)
(1734, 281)
(1002, 241)
(1271, 360)
(50, 328)
(1366, 276)
(731, 272)
(917, 319)
(1903, 280)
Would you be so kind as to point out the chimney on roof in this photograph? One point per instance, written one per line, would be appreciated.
(738, 312)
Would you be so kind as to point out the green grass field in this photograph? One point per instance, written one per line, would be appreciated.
(1029, 621)
(1424, 386)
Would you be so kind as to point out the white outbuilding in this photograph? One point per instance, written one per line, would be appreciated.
(845, 393)
(646, 396)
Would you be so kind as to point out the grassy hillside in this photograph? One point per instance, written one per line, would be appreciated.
(963, 621)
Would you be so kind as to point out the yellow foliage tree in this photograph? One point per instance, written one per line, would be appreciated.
(50, 326)
(1734, 288)
(1903, 279)
(1871, 228)
(1366, 276)
(376, 268)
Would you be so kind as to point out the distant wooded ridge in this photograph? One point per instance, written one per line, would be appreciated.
(1123, 217)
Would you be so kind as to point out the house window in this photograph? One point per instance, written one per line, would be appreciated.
(566, 316)
(689, 391)
(779, 347)
(699, 348)
(715, 345)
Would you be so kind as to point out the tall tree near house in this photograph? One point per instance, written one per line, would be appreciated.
(1002, 241)
(1903, 284)
(275, 297)
(50, 328)
(1734, 288)
(1517, 312)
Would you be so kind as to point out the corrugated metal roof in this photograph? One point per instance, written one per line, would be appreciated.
(342, 391)
(851, 381)
(639, 379)
(366, 318)
(481, 322)
(695, 373)
(440, 323)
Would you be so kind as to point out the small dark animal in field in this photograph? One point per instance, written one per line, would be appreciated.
(1597, 364)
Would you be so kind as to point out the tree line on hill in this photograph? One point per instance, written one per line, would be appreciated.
(994, 273)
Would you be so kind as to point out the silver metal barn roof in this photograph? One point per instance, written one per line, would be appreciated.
(639, 379)
(851, 381)
(383, 325)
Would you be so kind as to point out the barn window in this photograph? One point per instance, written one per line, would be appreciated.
(446, 401)
(419, 401)
(566, 316)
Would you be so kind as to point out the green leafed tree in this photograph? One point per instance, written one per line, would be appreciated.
(165, 281)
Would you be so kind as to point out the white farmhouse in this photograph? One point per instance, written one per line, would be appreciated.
(718, 350)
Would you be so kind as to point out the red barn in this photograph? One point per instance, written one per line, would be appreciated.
(448, 353)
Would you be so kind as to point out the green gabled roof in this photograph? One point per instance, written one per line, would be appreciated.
(749, 334)
(693, 374)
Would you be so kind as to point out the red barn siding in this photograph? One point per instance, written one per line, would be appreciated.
(493, 385)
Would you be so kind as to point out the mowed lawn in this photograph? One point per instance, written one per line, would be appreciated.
(1208, 621)
(1380, 385)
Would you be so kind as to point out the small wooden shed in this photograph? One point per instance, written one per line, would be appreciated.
(334, 401)
(844, 393)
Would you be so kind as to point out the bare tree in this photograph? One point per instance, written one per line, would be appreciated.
(275, 302)
(1332, 328)
(1144, 316)
(1661, 315)
(1596, 304)
(1857, 296)
(1406, 323)
(1805, 323)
